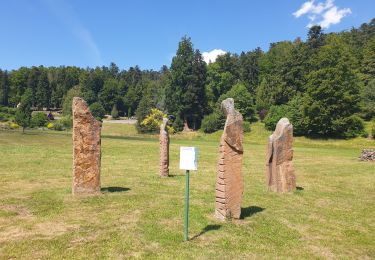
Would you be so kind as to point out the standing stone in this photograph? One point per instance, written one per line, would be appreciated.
(279, 171)
(86, 149)
(164, 149)
(229, 180)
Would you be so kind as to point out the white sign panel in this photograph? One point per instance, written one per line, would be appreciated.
(188, 158)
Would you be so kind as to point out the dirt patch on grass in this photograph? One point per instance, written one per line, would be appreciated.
(19, 211)
(44, 230)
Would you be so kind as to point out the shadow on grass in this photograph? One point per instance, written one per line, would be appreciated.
(299, 188)
(206, 229)
(176, 175)
(249, 211)
(114, 189)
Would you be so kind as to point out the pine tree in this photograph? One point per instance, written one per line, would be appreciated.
(23, 113)
(185, 95)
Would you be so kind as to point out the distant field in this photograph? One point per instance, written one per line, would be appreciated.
(331, 215)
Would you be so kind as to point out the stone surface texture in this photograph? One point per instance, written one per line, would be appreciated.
(367, 155)
(164, 149)
(280, 174)
(229, 180)
(86, 149)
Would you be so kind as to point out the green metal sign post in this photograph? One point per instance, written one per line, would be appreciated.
(186, 208)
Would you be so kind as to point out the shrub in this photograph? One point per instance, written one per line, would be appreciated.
(243, 101)
(7, 113)
(50, 125)
(246, 126)
(152, 122)
(66, 121)
(68, 99)
(213, 122)
(13, 125)
(274, 115)
(38, 119)
(349, 127)
(97, 110)
(114, 112)
(58, 126)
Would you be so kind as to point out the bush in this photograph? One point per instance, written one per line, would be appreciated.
(58, 126)
(66, 121)
(97, 110)
(13, 125)
(274, 115)
(114, 112)
(246, 127)
(152, 122)
(243, 101)
(38, 119)
(7, 113)
(213, 122)
(349, 127)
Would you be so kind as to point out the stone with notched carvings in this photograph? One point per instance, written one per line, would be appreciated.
(229, 180)
(86, 149)
(164, 149)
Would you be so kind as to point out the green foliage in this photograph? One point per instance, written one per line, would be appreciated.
(213, 122)
(373, 130)
(243, 101)
(114, 112)
(349, 127)
(39, 119)
(97, 110)
(332, 95)
(274, 115)
(68, 100)
(368, 100)
(151, 123)
(23, 113)
(66, 122)
(58, 126)
(7, 113)
(185, 95)
(246, 127)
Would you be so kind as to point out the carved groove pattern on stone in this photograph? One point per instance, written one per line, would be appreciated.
(229, 180)
(164, 149)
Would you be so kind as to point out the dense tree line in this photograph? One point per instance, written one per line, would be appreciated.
(325, 85)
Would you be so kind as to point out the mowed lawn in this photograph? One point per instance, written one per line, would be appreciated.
(331, 215)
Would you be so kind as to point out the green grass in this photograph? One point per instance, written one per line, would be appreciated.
(332, 215)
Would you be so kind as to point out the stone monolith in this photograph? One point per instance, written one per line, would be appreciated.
(280, 175)
(86, 149)
(164, 149)
(229, 180)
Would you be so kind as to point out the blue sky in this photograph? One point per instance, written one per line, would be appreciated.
(146, 33)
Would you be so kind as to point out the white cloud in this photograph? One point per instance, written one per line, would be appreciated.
(211, 56)
(323, 14)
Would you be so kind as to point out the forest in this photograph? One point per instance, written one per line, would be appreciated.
(324, 85)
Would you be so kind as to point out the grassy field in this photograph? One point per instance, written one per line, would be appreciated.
(331, 215)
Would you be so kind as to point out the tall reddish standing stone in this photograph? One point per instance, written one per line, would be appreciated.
(86, 149)
(164, 149)
(279, 170)
(229, 180)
